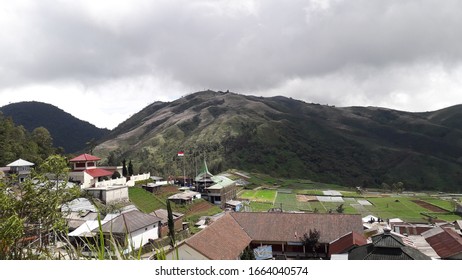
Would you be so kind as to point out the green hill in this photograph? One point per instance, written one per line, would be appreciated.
(67, 131)
(284, 137)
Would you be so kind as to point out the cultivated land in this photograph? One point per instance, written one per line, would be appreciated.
(265, 193)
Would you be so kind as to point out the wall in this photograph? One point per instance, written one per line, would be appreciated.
(142, 236)
(107, 183)
(136, 178)
(112, 195)
(185, 252)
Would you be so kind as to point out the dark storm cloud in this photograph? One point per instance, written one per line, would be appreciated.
(307, 49)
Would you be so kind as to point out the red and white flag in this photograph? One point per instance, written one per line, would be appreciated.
(181, 154)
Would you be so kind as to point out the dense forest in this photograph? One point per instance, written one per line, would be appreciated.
(67, 131)
(16, 142)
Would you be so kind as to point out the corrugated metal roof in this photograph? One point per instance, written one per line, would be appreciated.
(130, 222)
(20, 162)
(445, 241)
(187, 195)
(386, 247)
(79, 204)
(347, 242)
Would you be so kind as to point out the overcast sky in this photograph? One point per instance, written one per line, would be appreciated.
(103, 61)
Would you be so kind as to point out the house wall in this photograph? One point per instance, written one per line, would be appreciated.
(185, 252)
(141, 237)
(178, 225)
(85, 179)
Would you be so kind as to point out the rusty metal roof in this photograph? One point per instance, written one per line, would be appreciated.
(445, 241)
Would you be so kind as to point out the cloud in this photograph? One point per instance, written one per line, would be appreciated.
(402, 53)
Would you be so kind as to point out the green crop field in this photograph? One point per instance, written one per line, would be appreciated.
(403, 208)
(385, 207)
(259, 195)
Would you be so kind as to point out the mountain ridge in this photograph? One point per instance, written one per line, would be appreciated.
(66, 130)
(286, 137)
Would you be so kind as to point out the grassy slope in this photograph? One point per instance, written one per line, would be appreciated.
(289, 138)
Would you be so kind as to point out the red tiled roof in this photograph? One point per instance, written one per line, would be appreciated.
(224, 239)
(98, 172)
(445, 241)
(347, 242)
(85, 157)
(290, 227)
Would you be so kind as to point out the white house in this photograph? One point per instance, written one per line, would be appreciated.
(85, 171)
(138, 227)
(21, 168)
(110, 194)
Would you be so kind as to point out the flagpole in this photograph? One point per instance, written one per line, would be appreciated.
(184, 173)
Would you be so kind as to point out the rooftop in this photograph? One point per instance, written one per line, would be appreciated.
(290, 227)
(20, 162)
(129, 222)
(445, 241)
(84, 157)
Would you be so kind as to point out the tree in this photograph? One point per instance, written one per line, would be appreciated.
(34, 205)
(130, 168)
(171, 223)
(311, 240)
(115, 175)
(340, 208)
(42, 137)
(247, 254)
(124, 168)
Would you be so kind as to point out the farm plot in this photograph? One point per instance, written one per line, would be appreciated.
(430, 207)
(267, 196)
(397, 207)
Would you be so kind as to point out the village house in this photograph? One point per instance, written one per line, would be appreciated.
(386, 246)
(19, 168)
(78, 211)
(216, 189)
(84, 171)
(186, 197)
(281, 233)
(110, 194)
(134, 227)
(342, 245)
(163, 215)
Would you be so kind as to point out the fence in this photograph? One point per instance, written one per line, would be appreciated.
(111, 182)
(136, 178)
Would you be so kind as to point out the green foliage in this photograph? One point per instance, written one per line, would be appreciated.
(247, 254)
(311, 240)
(116, 175)
(16, 142)
(171, 224)
(34, 203)
(144, 200)
(130, 168)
